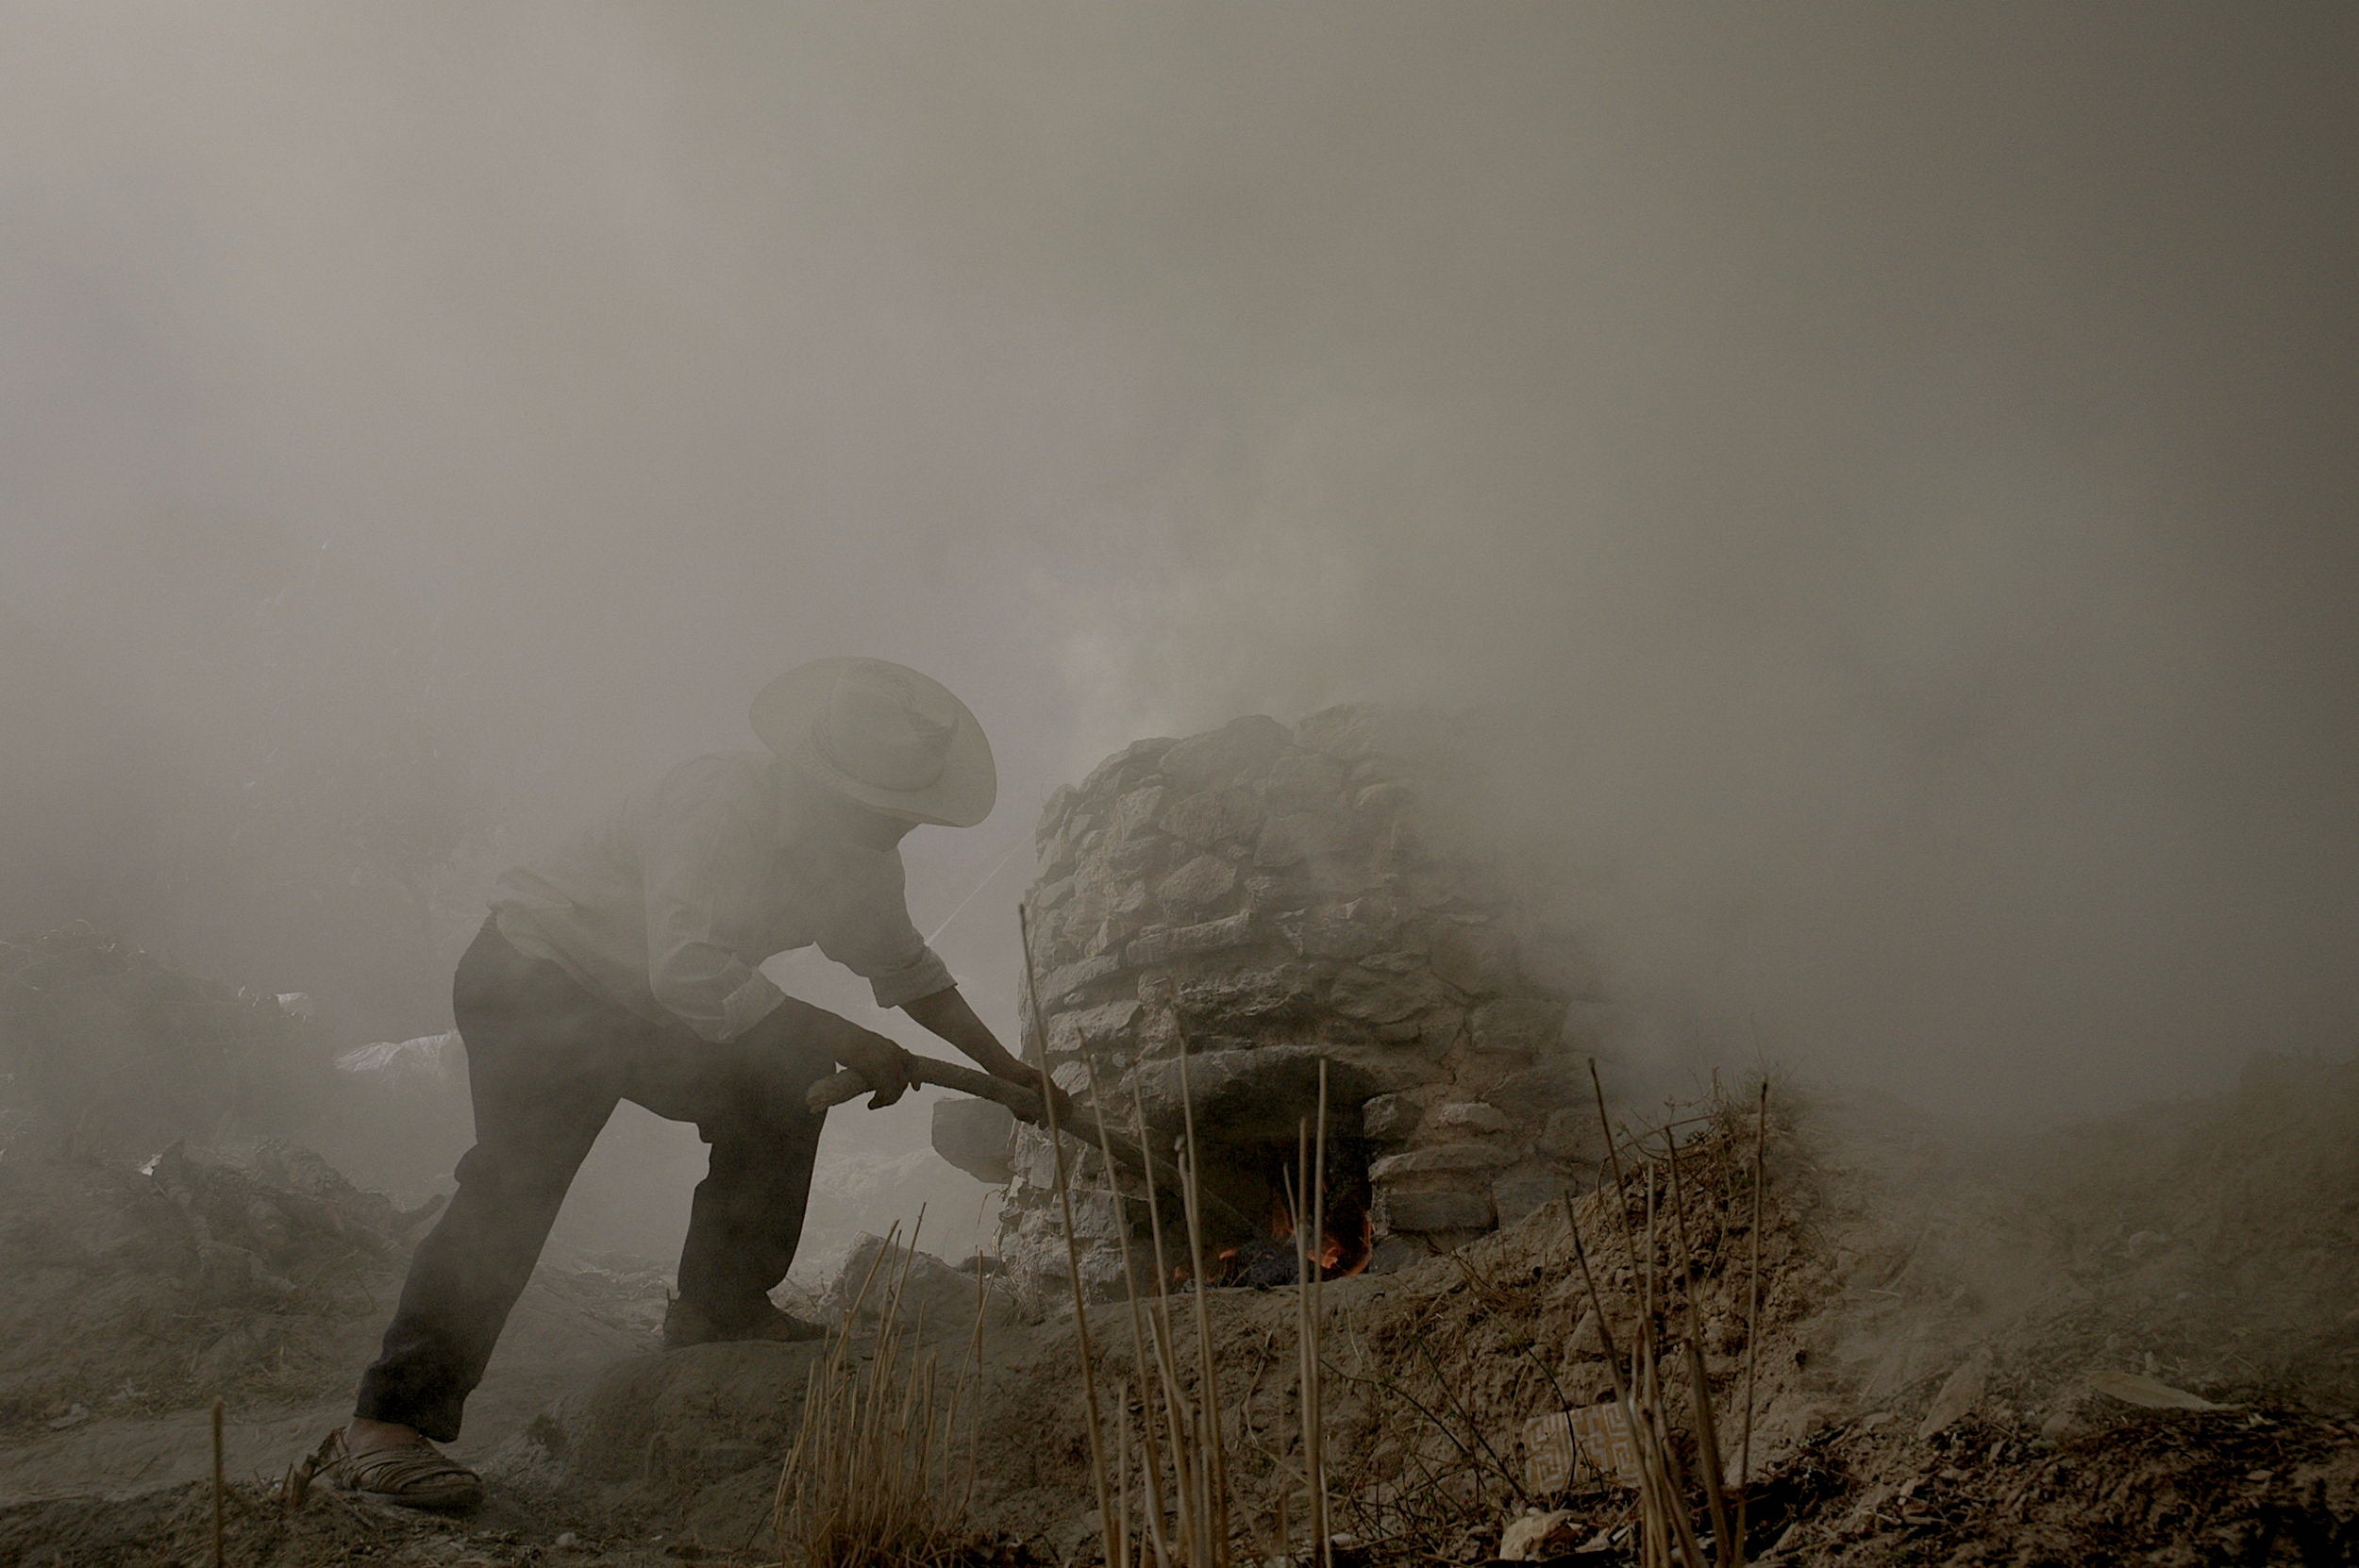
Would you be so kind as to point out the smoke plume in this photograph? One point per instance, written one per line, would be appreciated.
(1887, 470)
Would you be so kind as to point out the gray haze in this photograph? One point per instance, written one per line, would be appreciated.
(1892, 465)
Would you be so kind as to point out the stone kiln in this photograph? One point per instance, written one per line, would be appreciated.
(1262, 898)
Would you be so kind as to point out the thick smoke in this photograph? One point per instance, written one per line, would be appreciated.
(1889, 468)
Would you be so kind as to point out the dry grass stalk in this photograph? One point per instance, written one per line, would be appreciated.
(1662, 1515)
(1181, 1508)
(1184, 1510)
(1310, 1274)
(1672, 1477)
(868, 1483)
(1752, 1310)
(1729, 1546)
(1207, 1386)
(1420, 1500)
(1729, 1550)
(1072, 1246)
(1306, 1201)
(1187, 1533)
(221, 1489)
(1177, 1409)
(1118, 1541)
(1613, 1160)
(1662, 1350)
(1622, 1385)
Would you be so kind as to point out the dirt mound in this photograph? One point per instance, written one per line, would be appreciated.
(1922, 1388)
(1930, 1374)
(138, 1296)
(1988, 1328)
(108, 1048)
(140, 1288)
(2219, 1242)
(2125, 1485)
(680, 1443)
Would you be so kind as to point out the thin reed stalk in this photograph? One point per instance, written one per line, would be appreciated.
(1311, 1278)
(867, 1482)
(221, 1489)
(1624, 1388)
(1672, 1477)
(1752, 1310)
(1183, 1507)
(1306, 1200)
(1666, 1529)
(1176, 1414)
(1072, 1245)
(1217, 1479)
(1151, 1458)
(1612, 1155)
(1728, 1551)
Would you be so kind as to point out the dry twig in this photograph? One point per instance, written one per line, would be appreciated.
(220, 1488)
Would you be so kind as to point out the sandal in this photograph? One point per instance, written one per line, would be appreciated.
(414, 1475)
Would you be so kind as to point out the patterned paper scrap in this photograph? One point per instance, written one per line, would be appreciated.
(1548, 1454)
(1554, 1444)
(1603, 1433)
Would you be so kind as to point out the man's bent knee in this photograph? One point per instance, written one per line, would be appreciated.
(522, 1182)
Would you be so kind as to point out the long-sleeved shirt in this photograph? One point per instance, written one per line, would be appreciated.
(669, 905)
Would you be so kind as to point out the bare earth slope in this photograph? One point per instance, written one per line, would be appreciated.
(1935, 1338)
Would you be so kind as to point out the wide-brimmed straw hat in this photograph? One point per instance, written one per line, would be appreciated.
(883, 735)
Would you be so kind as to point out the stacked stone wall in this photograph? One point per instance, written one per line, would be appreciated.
(1264, 896)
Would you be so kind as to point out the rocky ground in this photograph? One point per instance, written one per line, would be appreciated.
(2133, 1344)
(136, 1294)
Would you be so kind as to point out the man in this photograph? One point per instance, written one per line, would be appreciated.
(625, 967)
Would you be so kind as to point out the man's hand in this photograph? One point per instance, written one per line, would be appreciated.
(946, 1014)
(884, 1064)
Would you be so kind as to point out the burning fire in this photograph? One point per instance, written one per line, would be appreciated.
(1344, 1250)
(1270, 1260)
(1331, 1255)
(1341, 1253)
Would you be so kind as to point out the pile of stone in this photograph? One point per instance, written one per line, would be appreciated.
(1263, 898)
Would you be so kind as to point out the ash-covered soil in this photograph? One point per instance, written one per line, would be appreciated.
(136, 1294)
(136, 1290)
(1937, 1339)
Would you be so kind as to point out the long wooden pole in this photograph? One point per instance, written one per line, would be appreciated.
(841, 1088)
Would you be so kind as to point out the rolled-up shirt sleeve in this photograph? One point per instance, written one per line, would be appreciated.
(874, 937)
(702, 860)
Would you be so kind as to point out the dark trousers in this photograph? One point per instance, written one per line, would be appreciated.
(546, 1063)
